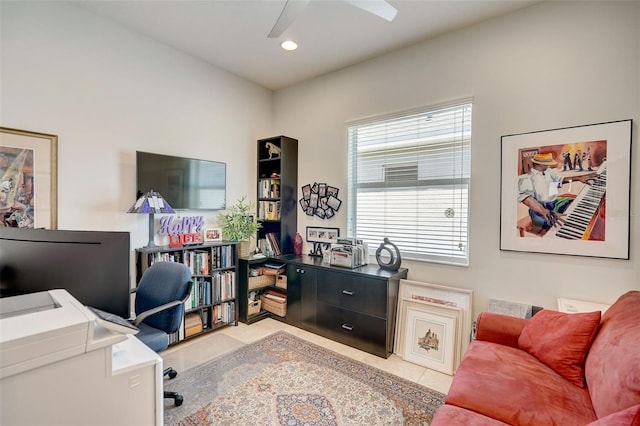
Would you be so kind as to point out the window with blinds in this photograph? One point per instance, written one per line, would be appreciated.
(409, 182)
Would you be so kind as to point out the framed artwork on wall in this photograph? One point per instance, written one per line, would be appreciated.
(321, 237)
(567, 191)
(28, 179)
(317, 234)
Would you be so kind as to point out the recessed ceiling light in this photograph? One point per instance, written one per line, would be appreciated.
(289, 45)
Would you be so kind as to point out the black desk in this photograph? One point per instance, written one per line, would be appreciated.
(356, 307)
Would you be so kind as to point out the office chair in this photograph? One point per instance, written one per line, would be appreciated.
(159, 308)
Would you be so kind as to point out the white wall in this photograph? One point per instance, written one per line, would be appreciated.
(553, 65)
(107, 92)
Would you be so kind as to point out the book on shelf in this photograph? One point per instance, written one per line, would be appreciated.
(224, 313)
(269, 188)
(269, 210)
(272, 240)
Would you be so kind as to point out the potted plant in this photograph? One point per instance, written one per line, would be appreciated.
(239, 224)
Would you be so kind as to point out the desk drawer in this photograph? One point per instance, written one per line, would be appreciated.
(352, 328)
(356, 293)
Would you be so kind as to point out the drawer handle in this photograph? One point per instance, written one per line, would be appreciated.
(347, 327)
(348, 292)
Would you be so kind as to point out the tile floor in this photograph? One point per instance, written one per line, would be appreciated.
(196, 351)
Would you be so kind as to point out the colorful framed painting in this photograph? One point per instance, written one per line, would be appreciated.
(567, 191)
(28, 179)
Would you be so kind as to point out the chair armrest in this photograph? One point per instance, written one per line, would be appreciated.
(143, 315)
(498, 328)
(146, 314)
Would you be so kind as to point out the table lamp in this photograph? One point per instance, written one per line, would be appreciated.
(151, 203)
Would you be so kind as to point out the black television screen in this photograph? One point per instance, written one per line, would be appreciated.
(184, 183)
(93, 266)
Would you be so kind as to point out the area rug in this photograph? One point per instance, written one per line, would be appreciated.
(284, 380)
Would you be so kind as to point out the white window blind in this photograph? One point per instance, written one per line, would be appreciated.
(409, 181)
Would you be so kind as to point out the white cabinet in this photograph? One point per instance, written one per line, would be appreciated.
(119, 384)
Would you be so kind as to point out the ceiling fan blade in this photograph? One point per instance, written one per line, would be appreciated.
(378, 7)
(290, 12)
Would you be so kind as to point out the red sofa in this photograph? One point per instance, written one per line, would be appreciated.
(553, 369)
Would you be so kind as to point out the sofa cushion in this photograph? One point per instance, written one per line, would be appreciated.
(450, 415)
(561, 341)
(612, 368)
(512, 386)
(628, 417)
(499, 328)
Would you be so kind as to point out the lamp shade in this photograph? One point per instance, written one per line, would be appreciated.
(151, 203)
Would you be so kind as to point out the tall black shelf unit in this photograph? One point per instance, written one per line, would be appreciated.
(277, 188)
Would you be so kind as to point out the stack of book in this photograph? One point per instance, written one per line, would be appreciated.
(192, 324)
(270, 268)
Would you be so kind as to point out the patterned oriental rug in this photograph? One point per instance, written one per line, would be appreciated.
(284, 380)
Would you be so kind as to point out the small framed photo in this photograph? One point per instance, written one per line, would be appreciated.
(333, 202)
(313, 201)
(317, 234)
(213, 234)
(306, 192)
(322, 190)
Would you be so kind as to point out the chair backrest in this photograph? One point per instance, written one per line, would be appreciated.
(163, 282)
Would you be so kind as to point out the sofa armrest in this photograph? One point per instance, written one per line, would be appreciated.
(498, 328)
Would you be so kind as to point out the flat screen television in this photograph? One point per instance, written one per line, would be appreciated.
(93, 266)
(184, 183)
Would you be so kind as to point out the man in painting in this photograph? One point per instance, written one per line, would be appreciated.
(567, 162)
(6, 185)
(538, 190)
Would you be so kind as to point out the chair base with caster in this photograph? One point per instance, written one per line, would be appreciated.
(177, 398)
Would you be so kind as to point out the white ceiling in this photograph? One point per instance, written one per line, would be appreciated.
(331, 34)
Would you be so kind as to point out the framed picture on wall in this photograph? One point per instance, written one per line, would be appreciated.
(316, 234)
(566, 191)
(28, 179)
